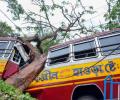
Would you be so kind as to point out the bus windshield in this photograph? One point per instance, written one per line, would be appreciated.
(5, 48)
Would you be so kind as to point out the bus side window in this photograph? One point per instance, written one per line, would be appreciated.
(16, 56)
(59, 55)
(85, 49)
(109, 44)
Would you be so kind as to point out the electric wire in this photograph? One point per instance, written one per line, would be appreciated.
(10, 20)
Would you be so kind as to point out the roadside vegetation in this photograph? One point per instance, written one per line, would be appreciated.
(8, 92)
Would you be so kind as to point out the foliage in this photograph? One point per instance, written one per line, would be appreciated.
(39, 22)
(48, 43)
(8, 92)
(15, 8)
(113, 16)
(5, 29)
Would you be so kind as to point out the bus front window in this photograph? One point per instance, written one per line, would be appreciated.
(5, 48)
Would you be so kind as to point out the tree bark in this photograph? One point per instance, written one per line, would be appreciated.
(24, 77)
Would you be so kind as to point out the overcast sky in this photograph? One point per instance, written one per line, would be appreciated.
(99, 6)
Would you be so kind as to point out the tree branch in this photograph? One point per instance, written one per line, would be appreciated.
(65, 15)
(45, 11)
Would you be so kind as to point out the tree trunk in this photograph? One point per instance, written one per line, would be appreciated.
(25, 76)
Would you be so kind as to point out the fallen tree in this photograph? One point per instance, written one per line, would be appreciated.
(23, 78)
(34, 64)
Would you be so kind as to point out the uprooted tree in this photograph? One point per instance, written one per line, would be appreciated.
(69, 13)
(41, 22)
(46, 32)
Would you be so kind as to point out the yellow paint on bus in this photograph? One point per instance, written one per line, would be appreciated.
(78, 71)
(2, 65)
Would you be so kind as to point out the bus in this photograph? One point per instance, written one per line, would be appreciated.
(75, 70)
(14, 55)
(18, 61)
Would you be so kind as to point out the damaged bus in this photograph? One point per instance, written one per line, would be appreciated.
(76, 69)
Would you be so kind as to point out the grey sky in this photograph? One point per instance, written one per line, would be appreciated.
(99, 5)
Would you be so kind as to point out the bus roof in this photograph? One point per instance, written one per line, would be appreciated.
(8, 38)
(4, 38)
(85, 38)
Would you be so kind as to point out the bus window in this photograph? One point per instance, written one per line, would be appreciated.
(109, 44)
(9, 49)
(17, 56)
(83, 50)
(59, 55)
(3, 47)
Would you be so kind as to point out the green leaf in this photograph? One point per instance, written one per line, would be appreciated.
(8, 92)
